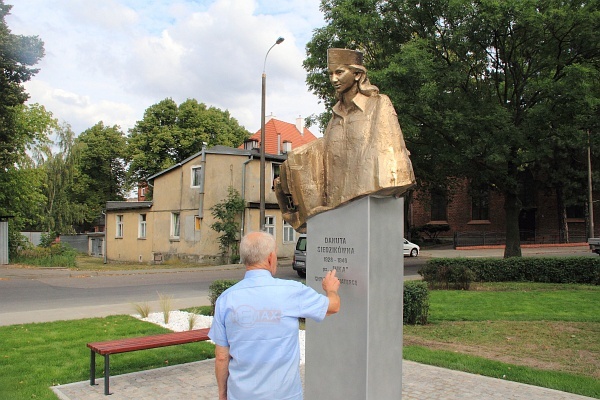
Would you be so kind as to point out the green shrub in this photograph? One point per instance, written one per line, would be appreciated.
(57, 255)
(47, 239)
(216, 288)
(458, 273)
(416, 303)
(433, 230)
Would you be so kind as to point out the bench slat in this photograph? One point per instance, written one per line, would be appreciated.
(148, 342)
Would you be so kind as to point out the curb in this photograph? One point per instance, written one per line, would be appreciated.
(524, 246)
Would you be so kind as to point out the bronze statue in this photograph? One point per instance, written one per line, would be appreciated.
(361, 153)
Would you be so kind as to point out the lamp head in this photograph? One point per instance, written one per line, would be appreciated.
(279, 40)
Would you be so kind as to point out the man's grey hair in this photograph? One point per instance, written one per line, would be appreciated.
(255, 247)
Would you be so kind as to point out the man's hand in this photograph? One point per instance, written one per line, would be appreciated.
(331, 284)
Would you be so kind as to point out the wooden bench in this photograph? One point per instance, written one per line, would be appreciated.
(138, 343)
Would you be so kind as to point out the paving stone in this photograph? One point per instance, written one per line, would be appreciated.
(196, 381)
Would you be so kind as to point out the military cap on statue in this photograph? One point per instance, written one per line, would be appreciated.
(344, 57)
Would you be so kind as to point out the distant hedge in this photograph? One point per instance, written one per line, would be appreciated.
(458, 273)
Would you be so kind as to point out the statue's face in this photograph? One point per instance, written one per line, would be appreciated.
(342, 78)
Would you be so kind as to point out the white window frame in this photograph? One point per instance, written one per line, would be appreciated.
(289, 234)
(193, 175)
(142, 226)
(120, 226)
(175, 225)
(270, 224)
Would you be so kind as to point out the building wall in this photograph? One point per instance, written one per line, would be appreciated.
(173, 193)
(459, 216)
(129, 247)
(459, 212)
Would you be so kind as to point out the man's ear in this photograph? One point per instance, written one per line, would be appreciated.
(273, 261)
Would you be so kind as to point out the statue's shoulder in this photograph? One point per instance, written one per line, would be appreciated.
(382, 98)
(384, 104)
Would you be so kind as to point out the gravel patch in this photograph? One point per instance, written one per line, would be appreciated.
(179, 321)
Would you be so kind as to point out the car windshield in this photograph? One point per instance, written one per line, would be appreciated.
(301, 244)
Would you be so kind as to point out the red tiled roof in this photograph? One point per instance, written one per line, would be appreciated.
(288, 132)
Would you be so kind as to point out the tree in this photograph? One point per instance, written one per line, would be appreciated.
(22, 180)
(100, 171)
(169, 134)
(60, 209)
(17, 55)
(227, 214)
(471, 80)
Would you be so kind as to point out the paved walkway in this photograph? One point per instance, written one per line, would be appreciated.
(195, 381)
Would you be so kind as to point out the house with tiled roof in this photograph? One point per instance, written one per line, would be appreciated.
(280, 137)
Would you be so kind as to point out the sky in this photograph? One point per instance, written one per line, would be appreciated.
(110, 60)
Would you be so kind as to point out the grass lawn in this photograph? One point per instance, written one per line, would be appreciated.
(34, 357)
(542, 334)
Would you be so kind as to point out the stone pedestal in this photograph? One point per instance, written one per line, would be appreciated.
(357, 353)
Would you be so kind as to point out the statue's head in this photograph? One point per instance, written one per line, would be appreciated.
(351, 60)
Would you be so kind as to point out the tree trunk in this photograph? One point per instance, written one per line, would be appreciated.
(561, 210)
(512, 207)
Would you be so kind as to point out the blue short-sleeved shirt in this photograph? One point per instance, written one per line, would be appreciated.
(258, 320)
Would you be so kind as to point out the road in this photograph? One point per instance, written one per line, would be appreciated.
(34, 296)
(60, 294)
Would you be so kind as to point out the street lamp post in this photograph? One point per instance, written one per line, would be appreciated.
(262, 139)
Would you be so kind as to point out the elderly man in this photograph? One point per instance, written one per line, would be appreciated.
(255, 327)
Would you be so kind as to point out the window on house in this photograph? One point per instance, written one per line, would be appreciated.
(576, 212)
(175, 225)
(480, 203)
(197, 223)
(287, 147)
(275, 170)
(289, 234)
(142, 227)
(251, 144)
(119, 232)
(439, 206)
(270, 224)
(196, 176)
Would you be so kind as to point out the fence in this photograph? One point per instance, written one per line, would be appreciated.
(78, 242)
(462, 239)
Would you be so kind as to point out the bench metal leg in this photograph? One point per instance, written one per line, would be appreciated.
(106, 374)
(92, 368)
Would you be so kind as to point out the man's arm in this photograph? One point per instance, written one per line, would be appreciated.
(331, 284)
(222, 369)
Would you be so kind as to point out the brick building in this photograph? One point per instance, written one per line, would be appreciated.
(480, 218)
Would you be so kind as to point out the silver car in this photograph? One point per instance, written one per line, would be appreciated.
(299, 261)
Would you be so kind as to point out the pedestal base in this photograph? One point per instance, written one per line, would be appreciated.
(357, 353)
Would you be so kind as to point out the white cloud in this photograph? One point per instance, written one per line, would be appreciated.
(111, 60)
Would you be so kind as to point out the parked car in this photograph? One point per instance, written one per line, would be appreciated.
(299, 261)
(594, 244)
(411, 249)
